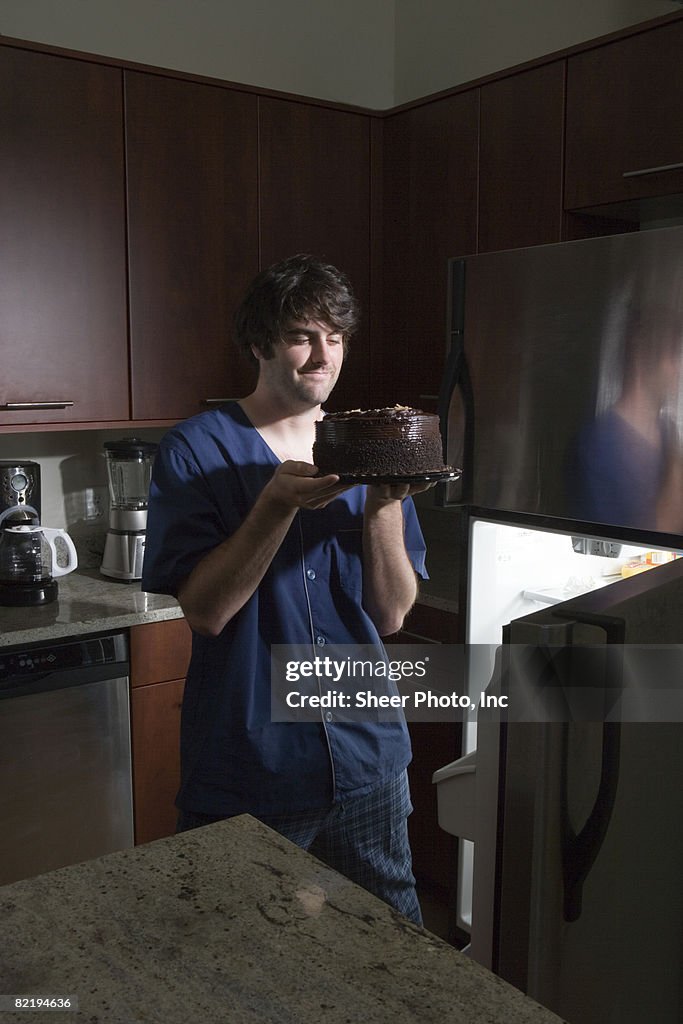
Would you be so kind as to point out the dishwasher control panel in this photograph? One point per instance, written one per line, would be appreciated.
(17, 664)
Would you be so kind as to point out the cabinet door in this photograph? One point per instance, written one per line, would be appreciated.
(155, 728)
(429, 214)
(159, 651)
(159, 656)
(625, 120)
(315, 198)
(192, 197)
(63, 330)
(520, 159)
(434, 744)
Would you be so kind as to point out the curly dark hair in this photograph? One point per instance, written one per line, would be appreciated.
(298, 288)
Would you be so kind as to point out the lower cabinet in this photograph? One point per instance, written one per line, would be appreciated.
(159, 656)
(434, 745)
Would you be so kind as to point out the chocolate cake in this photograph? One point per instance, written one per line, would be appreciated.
(398, 441)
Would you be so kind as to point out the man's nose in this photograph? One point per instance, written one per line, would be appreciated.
(320, 350)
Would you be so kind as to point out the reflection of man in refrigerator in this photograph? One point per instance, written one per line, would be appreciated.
(628, 462)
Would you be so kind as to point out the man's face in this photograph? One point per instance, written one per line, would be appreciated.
(305, 364)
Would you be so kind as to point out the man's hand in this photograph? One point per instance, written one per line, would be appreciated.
(297, 485)
(379, 493)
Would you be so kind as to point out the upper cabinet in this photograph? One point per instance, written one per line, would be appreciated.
(625, 119)
(63, 334)
(315, 198)
(191, 152)
(520, 159)
(137, 205)
(429, 214)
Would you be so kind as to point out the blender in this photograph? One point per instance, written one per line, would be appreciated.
(129, 470)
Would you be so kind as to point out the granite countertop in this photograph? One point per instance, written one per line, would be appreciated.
(87, 603)
(232, 922)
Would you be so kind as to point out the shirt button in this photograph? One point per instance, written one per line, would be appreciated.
(310, 573)
(320, 640)
(328, 716)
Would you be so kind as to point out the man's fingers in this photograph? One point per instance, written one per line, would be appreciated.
(294, 468)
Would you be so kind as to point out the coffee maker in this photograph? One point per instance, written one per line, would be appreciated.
(28, 554)
(129, 470)
(19, 493)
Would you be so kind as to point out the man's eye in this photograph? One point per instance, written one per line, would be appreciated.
(335, 339)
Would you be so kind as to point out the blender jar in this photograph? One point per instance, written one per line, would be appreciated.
(129, 470)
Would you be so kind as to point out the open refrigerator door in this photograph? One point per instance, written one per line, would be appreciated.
(514, 571)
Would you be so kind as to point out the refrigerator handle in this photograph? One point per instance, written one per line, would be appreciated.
(579, 851)
(455, 377)
(450, 381)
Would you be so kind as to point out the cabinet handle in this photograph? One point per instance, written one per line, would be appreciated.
(217, 401)
(652, 170)
(22, 406)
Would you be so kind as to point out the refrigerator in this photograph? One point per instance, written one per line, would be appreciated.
(562, 402)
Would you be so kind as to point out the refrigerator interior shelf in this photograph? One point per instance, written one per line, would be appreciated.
(555, 595)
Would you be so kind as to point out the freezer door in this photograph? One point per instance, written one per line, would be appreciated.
(555, 339)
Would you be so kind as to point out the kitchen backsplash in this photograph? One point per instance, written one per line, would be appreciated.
(73, 480)
(75, 497)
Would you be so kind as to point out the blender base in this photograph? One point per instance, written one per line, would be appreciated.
(123, 555)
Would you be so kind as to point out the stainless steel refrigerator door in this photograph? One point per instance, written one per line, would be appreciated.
(617, 960)
(65, 763)
(620, 961)
(554, 338)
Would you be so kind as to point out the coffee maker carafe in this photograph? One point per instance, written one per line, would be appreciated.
(129, 470)
(28, 564)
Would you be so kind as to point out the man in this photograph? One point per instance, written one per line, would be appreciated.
(625, 466)
(260, 551)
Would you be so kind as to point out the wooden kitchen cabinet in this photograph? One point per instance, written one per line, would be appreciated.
(435, 852)
(429, 214)
(520, 159)
(625, 120)
(315, 198)
(63, 325)
(192, 172)
(159, 656)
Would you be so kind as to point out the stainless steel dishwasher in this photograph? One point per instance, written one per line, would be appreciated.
(65, 754)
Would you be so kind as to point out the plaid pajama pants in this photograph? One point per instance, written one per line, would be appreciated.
(364, 838)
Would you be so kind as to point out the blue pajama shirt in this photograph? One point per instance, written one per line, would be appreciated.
(207, 476)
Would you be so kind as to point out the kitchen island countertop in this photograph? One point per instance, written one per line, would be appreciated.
(232, 922)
